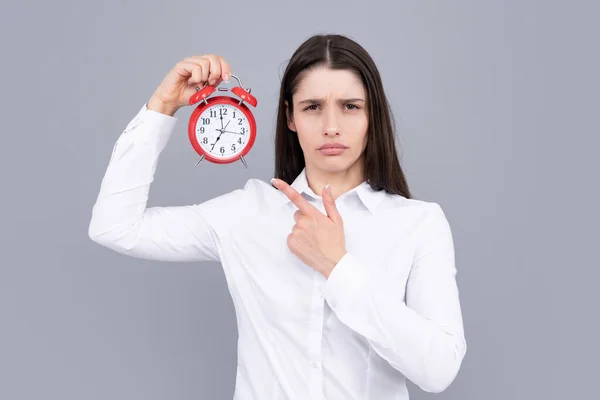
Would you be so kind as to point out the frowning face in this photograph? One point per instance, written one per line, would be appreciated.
(331, 120)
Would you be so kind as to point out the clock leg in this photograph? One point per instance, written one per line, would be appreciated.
(244, 161)
(200, 160)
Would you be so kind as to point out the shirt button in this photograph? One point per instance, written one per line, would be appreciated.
(314, 365)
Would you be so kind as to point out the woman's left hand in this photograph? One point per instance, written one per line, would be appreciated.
(317, 239)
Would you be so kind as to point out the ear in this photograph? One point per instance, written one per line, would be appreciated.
(290, 119)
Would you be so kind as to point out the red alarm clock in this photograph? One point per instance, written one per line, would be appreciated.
(222, 129)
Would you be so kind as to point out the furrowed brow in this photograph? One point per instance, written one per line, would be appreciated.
(317, 101)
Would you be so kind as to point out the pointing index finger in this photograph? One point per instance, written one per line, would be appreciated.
(304, 206)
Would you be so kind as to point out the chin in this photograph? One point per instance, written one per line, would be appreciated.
(333, 164)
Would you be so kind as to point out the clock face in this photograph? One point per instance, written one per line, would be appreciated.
(222, 130)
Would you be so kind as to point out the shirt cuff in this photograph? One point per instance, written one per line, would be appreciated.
(346, 283)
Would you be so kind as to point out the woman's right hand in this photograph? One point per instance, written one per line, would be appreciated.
(180, 82)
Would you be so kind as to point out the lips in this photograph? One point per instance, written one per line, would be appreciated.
(333, 146)
(332, 149)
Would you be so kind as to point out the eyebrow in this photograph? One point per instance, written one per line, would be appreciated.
(314, 101)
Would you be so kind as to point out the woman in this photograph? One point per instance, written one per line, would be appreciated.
(343, 286)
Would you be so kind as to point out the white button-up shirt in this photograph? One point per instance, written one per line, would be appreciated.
(388, 312)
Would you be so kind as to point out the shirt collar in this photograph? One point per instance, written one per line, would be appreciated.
(369, 198)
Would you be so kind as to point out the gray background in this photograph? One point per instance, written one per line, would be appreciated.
(496, 104)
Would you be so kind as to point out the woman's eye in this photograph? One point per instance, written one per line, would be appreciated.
(353, 106)
(310, 107)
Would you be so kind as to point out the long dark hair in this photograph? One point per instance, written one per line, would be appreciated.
(381, 164)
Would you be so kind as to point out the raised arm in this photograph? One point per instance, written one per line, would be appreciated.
(120, 219)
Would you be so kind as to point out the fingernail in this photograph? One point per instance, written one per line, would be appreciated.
(328, 188)
(273, 180)
(226, 77)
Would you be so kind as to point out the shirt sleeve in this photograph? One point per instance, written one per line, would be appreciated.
(421, 335)
(120, 219)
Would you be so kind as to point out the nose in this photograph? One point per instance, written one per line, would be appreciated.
(331, 122)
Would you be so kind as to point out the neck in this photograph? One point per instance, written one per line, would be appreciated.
(340, 181)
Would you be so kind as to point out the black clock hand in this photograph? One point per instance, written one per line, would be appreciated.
(222, 130)
(218, 137)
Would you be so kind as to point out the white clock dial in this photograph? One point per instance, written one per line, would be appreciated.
(223, 130)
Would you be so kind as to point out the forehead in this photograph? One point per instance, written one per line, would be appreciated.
(325, 82)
